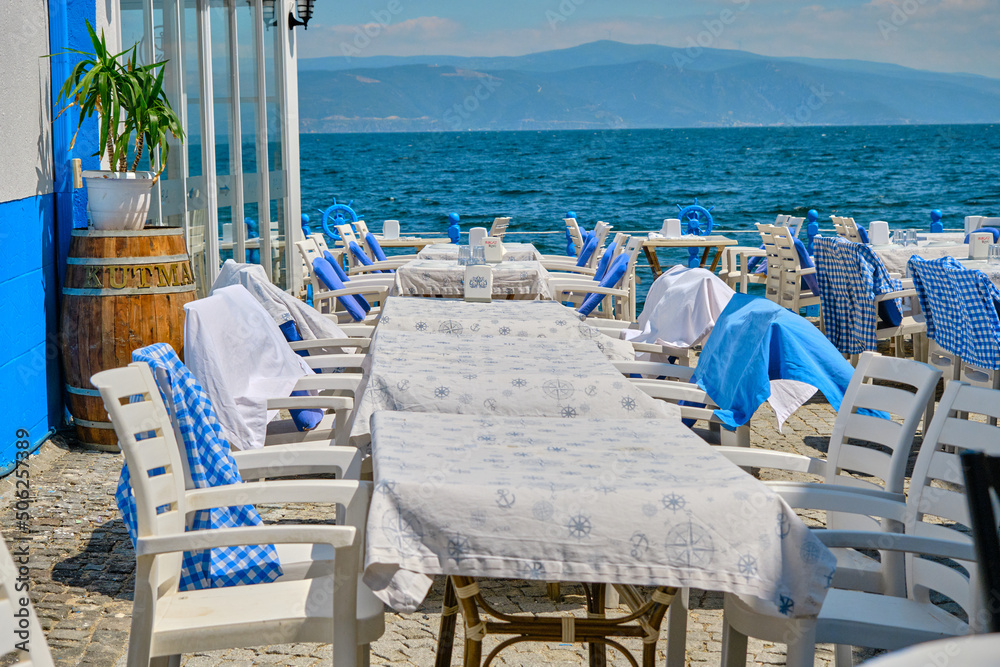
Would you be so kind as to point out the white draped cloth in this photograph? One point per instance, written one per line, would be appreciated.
(280, 305)
(238, 354)
(681, 308)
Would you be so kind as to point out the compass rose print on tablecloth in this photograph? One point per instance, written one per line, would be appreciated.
(451, 328)
(403, 529)
(558, 389)
(689, 545)
(542, 510)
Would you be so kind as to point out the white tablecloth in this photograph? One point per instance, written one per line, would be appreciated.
(614, 501)
(421, 372)
(524, 320)
(895, 257)
(512, 252)
(993, 271)
(443, 278)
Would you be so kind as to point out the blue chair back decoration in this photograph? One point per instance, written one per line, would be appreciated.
(695, 215)
(376, 248)
(306, 227)
(328, 276)
(610, 279)
(454, 231)
(605, 260)
(812, 228)
(936, 225)
(589, 247)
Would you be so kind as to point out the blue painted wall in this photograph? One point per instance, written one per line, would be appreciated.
(29, 289)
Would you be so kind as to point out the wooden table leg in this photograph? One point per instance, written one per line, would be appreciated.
(654, 262)
(446, 633)
(595, 607)
(704, 258)
(466, 590)
(718, 255)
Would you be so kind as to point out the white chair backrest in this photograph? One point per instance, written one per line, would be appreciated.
(989, 222)
(320, 241)
(794, 225)
(499, 227)
(22, 630)
(574, 233)
(348, 236)
(632, 248)
(781, 220)
(390, 229)
(937, 487)
(973, 222)
(476, 235)
(601, 229)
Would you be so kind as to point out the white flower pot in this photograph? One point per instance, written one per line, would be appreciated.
(119, 200)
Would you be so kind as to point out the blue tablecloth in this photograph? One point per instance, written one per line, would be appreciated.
(755, 341)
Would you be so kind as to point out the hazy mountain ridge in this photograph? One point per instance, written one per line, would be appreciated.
(606, 85)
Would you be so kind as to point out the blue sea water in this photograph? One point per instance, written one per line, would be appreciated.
(633, 179)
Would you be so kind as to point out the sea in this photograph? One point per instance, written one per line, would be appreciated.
(634, 179)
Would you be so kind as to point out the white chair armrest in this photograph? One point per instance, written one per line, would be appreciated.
(337, 537)
(335, 403)
(348, 382)
(755, 457)
(299, 459)
(349, 493)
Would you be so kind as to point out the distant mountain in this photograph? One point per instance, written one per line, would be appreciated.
(605, 85)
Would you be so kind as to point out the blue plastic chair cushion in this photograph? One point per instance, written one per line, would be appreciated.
(610, 279)
(605, 260)
(308, 419)
(863, 234)
(328, 276)
(360, 255)
(376, 248)
(993, 230)
(589, 246)
(346, 279)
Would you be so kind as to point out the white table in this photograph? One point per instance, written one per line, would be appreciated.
(424, 372)
(991, 270)
(623, 501)
(426, 277)
(512, 252)
(895, 257)
(522, 320)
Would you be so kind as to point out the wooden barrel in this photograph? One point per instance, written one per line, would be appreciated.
(124, 290)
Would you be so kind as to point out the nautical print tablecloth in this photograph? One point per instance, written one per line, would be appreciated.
(512, 252)
(895, 257)
(443, 278)
(613, 501)
(524, 320)
(422, 372)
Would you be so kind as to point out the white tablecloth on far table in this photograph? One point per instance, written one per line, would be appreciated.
(895, 257)
(429, 277)
(613, 501)
(512, 252)
(422, 372)
(993, 271)
(522, 320)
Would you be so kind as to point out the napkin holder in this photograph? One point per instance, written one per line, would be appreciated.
(878, 232)
(493, 250)
(390, 230)
(979, 244)
(479, 283)
(671, 228)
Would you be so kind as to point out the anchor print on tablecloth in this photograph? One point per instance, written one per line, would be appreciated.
(505, 499)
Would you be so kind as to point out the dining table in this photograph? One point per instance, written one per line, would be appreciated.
(632, 502)
(437, 372)
(514, 320)
(896, 256)
(435, 277)
(512, 252)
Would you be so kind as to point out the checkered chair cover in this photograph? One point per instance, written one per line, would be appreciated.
(850, 276)
(960, 306)
(211, 464)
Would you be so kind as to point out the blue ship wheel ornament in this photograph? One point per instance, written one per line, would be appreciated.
(694, 215)
(338, 214)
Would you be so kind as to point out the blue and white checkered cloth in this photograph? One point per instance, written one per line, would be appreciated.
(850, 276)
(211, 464)
(960, 305)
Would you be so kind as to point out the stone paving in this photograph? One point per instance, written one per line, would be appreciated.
(82, 569)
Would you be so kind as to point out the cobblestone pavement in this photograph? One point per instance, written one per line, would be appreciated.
(82, 569)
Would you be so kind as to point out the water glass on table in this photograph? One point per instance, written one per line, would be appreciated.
(478, 255)
(993, 255)
(464, 255)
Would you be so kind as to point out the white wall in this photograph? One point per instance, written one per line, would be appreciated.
(25, 100)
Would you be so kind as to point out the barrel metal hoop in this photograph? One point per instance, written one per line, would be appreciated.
(79, 391)
(89, 424)
(119, 261)
(153, 231)
(76, 291)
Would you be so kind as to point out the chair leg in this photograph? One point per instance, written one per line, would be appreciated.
(734, 646)
(802, 648)
(677, 619)
(843, 655)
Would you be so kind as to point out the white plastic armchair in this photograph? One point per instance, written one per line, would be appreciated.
(499, 227)
(167, 622)
(846, 227)
(348, 236)
(619, 301)
(785, 270)
(935, 520)
(20, 632)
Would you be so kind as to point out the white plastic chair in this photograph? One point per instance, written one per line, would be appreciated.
(785, 271)
(619, 302)
(499, 228)
(348, 237)
(935, 518)
(971, 651)
(167, 622)
(19, 627)
(476, 236)
(733, 268)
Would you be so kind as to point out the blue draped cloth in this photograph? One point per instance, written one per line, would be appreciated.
(755, 341)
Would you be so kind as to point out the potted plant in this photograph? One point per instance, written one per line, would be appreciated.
(135, 118)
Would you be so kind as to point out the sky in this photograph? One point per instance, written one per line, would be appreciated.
(937, 35)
